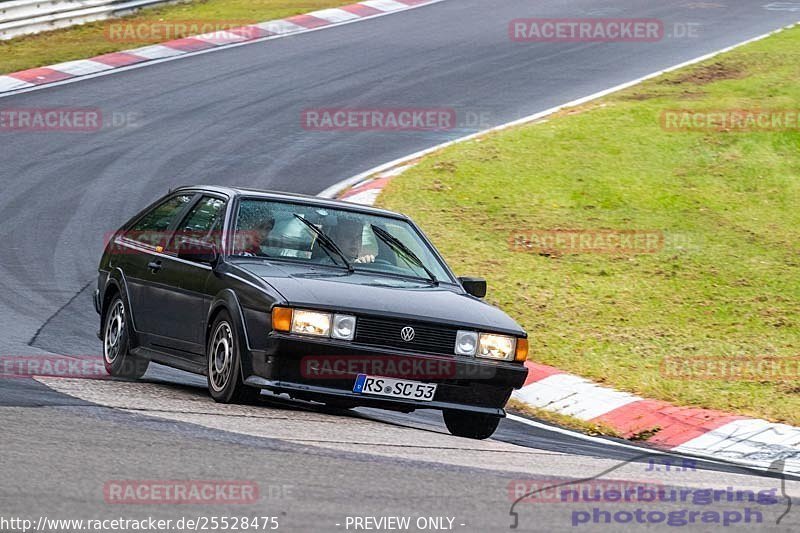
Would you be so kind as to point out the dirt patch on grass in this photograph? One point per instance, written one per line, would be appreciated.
(709, 74)
(639, 97)
(445, 166)
(690, 95)
(588, 428)
(643, 96)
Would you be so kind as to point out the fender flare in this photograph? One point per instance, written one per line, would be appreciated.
(227, 300)
(116, 278)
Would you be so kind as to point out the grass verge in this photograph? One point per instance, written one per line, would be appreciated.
(725, 283)
(80, 42)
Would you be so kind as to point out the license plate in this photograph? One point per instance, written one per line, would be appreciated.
(395, 388)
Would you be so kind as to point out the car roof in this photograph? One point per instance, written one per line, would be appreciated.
(290, 197)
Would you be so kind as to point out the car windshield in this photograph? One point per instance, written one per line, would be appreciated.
(348, 239)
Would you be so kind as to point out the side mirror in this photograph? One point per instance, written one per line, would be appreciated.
(474, 286)
(198, 251)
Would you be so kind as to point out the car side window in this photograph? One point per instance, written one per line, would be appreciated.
(202, 223)
(152, 228)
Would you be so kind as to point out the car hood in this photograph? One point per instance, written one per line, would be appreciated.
(375, 294)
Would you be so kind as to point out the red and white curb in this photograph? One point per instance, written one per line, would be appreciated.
(365, 192)
(682, 429)
(99, 65)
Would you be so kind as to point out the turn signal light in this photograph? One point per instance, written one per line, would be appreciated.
(281, 319)
(522, 351)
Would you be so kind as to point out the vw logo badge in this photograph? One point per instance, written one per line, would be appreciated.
(407, 334)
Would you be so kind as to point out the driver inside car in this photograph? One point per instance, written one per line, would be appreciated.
(349, 236)
(252, 240)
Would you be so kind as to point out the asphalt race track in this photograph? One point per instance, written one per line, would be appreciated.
(233, 117)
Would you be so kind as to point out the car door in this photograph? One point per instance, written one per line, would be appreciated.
(183, 306)
(143, 244)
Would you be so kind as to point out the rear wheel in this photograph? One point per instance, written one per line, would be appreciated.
(470, 425)
(225, 365)
(118, 360)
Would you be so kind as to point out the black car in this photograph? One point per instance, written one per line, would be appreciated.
(319, 299)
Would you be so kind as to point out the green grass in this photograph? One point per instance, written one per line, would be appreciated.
(92, 39)
(726, 283)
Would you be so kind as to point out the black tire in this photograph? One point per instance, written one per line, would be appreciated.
(118, 360)
(470, 425)
(224, 364)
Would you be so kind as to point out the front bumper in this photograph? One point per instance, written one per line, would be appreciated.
(325, 370)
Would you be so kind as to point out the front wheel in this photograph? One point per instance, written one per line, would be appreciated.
(225, 365)
(470, 425)
(118, 360)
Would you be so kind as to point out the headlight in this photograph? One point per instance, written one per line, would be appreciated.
(496, 347)
(466, 342)
(317, 323)
(311, 323)
(344, 327)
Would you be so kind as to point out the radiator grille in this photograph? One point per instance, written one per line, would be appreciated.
(428, 338)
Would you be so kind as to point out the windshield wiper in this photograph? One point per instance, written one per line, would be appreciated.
(327, 241)
(409, 256)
